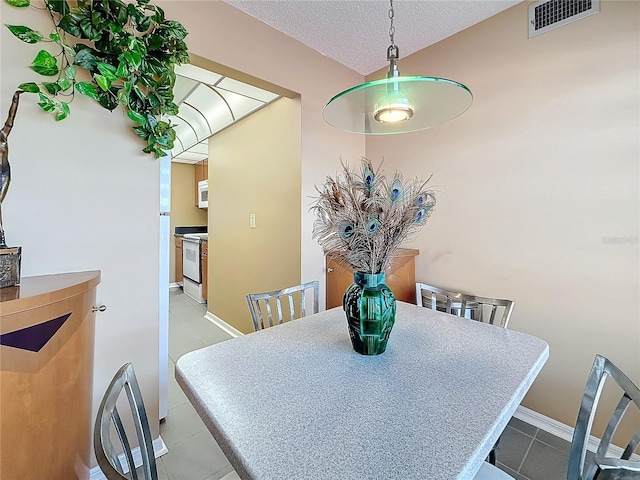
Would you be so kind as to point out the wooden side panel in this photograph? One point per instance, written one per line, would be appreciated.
(178, 261)
(204, 265)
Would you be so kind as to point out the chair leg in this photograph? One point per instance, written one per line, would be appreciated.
(492, 453)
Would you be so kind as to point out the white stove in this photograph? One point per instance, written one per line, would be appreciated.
(191, 268)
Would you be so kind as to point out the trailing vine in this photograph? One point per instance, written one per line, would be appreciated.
(130, 52)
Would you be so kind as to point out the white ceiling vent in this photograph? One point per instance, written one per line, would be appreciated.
(547, 15)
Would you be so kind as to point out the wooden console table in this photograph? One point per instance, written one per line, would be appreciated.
(46, 376)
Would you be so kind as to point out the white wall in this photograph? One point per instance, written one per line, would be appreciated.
(84, 197)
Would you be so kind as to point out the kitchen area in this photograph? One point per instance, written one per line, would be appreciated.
(190, 229)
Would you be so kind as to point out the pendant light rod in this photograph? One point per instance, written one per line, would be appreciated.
(397, 104)
(393, 52)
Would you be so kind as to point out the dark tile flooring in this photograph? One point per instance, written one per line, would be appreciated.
(528, 453)
(525, 452)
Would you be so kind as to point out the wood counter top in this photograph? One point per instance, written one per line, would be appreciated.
(45, 289)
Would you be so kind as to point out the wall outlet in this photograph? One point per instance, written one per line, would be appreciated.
(252, 220)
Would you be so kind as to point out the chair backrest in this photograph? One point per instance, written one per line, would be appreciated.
(604, 462)
(266, 308)
(496, 311)
(108, 415)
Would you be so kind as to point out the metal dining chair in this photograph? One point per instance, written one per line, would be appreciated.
(468, 306)
(604, 464)
(496, 311)
(266, 308)
(108, 415)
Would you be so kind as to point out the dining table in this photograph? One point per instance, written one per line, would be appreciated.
(295, 401)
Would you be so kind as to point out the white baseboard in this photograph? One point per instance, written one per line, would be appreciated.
(174, 285)
(159, 449)
(222, 325)
(561, 430)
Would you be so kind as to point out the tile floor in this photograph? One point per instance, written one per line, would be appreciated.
(525, 452)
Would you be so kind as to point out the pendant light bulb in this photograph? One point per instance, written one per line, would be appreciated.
(393, 112)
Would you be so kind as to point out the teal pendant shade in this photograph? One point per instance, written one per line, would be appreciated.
(427, 102)
(370, 307)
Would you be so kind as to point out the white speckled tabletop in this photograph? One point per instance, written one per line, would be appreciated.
(297, 402)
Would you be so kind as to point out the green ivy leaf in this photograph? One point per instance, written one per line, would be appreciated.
(108, 71)
(25, 34)
(29, 87)
(18, 3)
(176, 30)
(165, 141)
(70, 23)
(70, 72)
(141, 132)
(122, 98)
(65, 83)
(58, 6)
(102, 82)
(88, 89)
(137, 117)
(86, 59)
(108, 100)
(46, 103)
(123, 70)
(133, 59)
(45, 64)
(152, 121)
(52, 88)
(63, 111)
(138, 92)
(89, 30)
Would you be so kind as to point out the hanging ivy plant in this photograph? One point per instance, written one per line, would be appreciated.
(130, 52)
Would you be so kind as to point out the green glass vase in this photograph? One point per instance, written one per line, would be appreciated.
(370, 307)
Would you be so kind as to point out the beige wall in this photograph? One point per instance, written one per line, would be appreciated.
(254, 167)
(84, 197)
(227, 36)
(534, 179)
(183, 210)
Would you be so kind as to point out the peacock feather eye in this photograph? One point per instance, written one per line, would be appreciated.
(372, 225)
(421, 199)
(368, 177)
(421, 215)
(346, 229)
(396, 190)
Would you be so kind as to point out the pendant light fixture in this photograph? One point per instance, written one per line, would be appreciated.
(397, 104)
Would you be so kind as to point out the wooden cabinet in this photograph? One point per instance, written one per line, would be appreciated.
(401, 277)
(46, 376)
(178, 261)
(204, 267)
(201, 173)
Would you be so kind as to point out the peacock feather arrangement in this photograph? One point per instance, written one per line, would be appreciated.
(366, 217)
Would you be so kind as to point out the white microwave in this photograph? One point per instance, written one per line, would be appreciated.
(203, 194)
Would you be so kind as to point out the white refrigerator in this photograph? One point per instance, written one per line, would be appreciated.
(163, 284)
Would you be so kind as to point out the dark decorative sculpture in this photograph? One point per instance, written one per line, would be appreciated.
(5, 168)
(9, 257)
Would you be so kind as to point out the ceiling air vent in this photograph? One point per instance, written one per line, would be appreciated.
(547, 15)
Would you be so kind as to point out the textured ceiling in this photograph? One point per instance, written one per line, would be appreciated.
(356, 32)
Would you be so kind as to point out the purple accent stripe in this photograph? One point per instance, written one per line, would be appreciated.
(34, 337)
